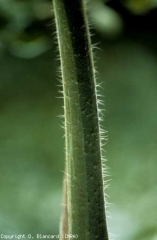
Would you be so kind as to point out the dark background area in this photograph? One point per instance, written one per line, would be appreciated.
(31, 134)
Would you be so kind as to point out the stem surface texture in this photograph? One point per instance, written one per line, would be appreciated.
(85, 209)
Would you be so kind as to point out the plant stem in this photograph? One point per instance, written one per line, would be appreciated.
(85, 196)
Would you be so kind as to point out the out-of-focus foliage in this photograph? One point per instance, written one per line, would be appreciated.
(105, 19)
(31, 146)
(140, 6)
(24, 27)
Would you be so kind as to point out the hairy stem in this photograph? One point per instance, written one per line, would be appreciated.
(84, 181)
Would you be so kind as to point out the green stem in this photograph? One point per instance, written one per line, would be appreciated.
(85, 196)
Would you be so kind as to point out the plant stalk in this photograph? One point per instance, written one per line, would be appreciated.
(85, 209)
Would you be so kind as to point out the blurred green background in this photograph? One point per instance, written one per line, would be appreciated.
(31, 134)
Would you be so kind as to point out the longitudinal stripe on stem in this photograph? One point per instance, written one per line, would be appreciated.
(85, 196)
